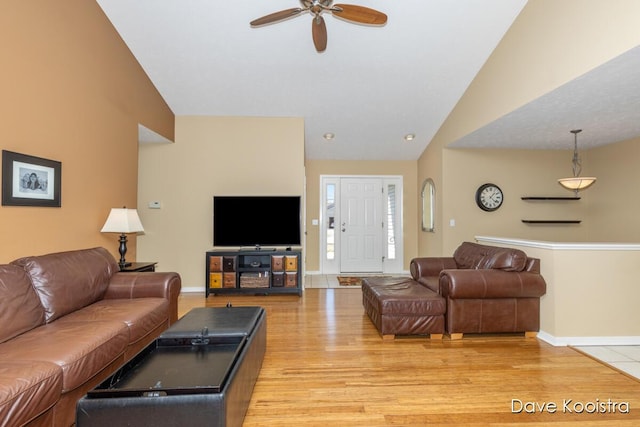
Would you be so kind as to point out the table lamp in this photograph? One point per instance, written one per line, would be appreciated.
(122, 220)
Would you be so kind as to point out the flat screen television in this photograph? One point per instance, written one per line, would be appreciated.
(258, 221)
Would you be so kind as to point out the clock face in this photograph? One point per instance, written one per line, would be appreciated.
(489, 197)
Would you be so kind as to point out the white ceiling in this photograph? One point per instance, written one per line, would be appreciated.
(372, 85)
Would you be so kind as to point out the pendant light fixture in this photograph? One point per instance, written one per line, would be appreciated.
(576, 182)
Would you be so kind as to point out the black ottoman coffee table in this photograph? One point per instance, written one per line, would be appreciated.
(200, 372)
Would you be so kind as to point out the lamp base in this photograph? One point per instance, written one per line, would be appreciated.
(123, 250)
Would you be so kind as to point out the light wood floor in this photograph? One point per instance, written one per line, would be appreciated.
(326, 365)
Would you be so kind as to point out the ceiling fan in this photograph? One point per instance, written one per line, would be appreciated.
(347, 12)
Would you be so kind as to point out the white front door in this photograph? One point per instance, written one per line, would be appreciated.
(361, 225)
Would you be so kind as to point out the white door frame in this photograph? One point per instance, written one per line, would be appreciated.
(393, 252)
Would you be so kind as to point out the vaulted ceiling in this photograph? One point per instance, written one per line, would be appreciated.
(372, 85)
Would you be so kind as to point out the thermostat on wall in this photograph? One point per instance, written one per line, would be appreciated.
(154, 205)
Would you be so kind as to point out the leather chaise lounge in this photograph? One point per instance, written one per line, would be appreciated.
(483, 289)
(68, 320)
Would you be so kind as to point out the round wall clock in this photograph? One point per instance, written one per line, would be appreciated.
(489, 197)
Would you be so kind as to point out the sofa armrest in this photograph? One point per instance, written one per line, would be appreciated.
(147, 285)
(463, 283)
(430, 266)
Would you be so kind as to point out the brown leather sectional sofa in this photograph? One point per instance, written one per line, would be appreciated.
(488, 289)
(68, 320)
(483, 289)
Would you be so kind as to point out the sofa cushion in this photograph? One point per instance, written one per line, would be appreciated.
(81, 349)
(28, 389)
(20, 308)
(142, 316)
(475, 256)
(67, 281)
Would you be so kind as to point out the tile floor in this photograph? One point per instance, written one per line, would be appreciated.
(625, 358)
(321, 281)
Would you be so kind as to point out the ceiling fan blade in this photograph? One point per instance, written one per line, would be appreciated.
(277, 16)
(359, 14)
(319, 32)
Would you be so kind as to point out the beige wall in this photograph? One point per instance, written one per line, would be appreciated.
(211, 156)
(71, 91)
(614, 203)
(406, 169)
(549, 44)
(518, 173)
(579, 280)
(573, 311)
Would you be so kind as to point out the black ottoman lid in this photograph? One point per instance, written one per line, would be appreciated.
(219, 321)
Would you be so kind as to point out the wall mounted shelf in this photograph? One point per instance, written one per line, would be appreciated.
(551, 199)
(551, 221)
(548, 198)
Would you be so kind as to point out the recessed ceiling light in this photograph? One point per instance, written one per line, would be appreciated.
(409, 137)
(329, 136)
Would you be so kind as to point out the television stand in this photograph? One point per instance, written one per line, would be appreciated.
(257, 271)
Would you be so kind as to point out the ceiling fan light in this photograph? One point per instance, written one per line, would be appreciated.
(577, 183)
(347, 12)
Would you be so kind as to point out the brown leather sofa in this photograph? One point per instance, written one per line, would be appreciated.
(68, 320)
(487, 289)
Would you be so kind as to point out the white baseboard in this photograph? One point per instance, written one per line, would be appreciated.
(578, 341)
(192, 289)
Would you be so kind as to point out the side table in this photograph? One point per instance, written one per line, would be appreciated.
(139, 267)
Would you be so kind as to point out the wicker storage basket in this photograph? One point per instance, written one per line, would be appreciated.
(254, 280)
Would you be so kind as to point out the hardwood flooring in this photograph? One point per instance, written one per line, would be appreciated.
(326, 365)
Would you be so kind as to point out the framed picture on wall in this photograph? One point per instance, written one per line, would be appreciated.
(30, 181)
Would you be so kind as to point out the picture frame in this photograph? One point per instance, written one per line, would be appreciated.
(30, 181)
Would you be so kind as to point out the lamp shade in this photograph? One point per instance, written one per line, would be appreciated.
(122, 220)
(577, 183)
